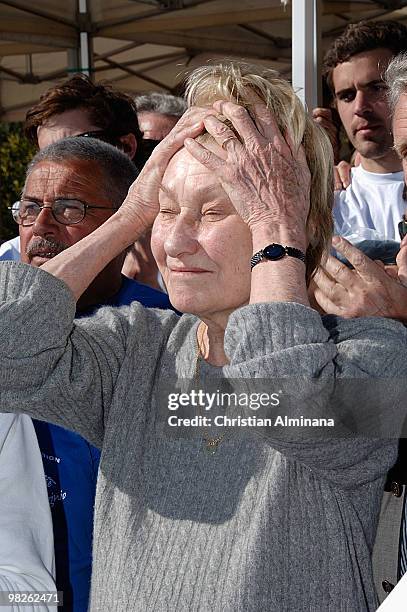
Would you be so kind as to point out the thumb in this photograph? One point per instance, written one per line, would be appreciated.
(402, 262)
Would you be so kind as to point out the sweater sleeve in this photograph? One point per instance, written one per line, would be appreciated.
(58, 370)
(27, 545)
(323, 371)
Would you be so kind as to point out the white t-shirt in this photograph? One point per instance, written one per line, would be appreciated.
(373, 201)
(10, 250)
(26, 536)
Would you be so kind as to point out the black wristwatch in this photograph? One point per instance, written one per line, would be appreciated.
(273, 252)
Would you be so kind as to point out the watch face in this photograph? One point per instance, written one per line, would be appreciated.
(274, 252)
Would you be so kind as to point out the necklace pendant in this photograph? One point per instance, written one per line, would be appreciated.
(211, 446)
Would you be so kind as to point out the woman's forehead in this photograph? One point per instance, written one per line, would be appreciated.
(184, 172)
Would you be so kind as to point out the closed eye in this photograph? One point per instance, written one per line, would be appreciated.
(168, 211)
(213, 214)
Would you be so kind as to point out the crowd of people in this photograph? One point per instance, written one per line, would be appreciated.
(185, 243)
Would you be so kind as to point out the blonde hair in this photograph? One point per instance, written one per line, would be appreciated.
(244, 84)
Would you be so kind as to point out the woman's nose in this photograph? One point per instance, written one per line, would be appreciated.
(181, 237)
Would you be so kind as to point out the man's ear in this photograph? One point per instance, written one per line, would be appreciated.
(129, 145)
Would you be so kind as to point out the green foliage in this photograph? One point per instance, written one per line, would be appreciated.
(15, 153)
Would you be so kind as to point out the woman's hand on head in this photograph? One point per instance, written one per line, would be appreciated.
(141, 204)
(266, 179)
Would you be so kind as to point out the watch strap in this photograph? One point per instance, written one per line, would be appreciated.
(290, 251)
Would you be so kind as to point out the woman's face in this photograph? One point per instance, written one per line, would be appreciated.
(201, 245)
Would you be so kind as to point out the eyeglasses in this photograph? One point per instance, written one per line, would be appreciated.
(64, 210)
(403, 227)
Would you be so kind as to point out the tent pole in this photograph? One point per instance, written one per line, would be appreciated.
(305, 46)
(73, 61)
(85, 43)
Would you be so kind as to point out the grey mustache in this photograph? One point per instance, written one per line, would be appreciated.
(43, 244)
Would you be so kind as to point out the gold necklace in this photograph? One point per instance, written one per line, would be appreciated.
(211, 444)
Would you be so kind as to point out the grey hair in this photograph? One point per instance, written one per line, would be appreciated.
(117, 171)
(161, 103)
(396, 79)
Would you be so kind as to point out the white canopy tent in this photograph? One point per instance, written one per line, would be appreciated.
(142, 45)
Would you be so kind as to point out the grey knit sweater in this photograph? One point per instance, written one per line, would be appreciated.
(266, 524)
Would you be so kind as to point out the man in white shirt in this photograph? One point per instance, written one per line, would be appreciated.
(372, 290)
(354, 68)
(10, 250)
(26, 536)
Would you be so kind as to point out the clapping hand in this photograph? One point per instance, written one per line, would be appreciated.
(370, 289)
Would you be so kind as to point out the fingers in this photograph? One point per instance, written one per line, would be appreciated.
(367, 290)
(224, 136)
(193, 115)
(325, 282)
(391, 271)
(262, 127)
(266, 124)
(401, 260)
(339, 271)
(189, 128)
(323, 117)
(364, 266)
(325, 292)
(321, 113)
(326, 304)
(344, 173)
(338, 185)
(240, 119)
(203, 155)
(357, 159)
(331, 295)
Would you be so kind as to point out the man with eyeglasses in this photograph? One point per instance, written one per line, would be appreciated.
(72, 187)
(79, 107)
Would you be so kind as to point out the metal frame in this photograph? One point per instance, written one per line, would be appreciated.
(305, 51)
(189, 30)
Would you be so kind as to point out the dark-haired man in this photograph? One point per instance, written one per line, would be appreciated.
(72, 187)
(79, 106)
(371, 290)
(354, 68)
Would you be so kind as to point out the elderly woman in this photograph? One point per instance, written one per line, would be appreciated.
(277, 522)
